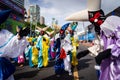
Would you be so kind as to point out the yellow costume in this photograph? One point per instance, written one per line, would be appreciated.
(34, 55)
(45, 51)
(74, 51)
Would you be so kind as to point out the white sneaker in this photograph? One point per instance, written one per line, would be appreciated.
(70, 73)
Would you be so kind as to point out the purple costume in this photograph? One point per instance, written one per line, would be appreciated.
(110, 33)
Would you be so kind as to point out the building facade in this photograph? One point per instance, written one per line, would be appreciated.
(42, 20)
(35, 13)
(17, 14)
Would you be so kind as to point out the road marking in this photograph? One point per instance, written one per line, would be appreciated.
(75, 73)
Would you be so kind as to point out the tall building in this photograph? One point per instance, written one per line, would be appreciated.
(42, 20)
(35, 13)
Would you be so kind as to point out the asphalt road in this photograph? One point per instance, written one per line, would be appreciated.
(85, 69)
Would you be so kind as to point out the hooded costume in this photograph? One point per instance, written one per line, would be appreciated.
(61, 50)
(105, 50)
(11, 46)
(45, 50)
(40, 48)
(42, 45)
(110, 35)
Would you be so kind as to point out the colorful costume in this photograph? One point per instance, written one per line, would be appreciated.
(110, 29)
(39, 45)
(45, 50)
(108, 35)
(11, 46)
(35, 55)
(29, 55)
(59, 64)
(52, 53)
(67, 61)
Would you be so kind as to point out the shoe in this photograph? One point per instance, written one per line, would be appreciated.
(70, 73)
(38, 68)
(21, 65)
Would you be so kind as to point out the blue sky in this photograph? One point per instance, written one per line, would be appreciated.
(59, 9)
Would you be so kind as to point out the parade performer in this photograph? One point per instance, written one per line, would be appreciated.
(109, 58)
(74, 43)
(108, 31)
(60, 52)
(34, 52)
(71, 50)
(68, 51)
(21, 58)
(52, 53)
(29, 52)
(39, 46)
(11, 46)
(45, 50)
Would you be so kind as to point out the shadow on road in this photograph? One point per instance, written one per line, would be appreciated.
(84, 63)
(29, 74)
(64, 76)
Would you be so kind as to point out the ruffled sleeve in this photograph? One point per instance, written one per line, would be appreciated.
(116, 49)
(14, 47)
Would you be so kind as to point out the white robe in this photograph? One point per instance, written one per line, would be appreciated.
(10, 46)
(66, 45)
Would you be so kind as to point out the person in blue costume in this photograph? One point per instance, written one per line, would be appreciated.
(39, 46)
(11, 46)
(59, 63)
(29, 54)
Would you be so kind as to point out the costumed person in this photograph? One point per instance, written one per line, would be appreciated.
(95, 15)
(51, 45)
(74, 43)
(45, 46)
(11, 46)
(60, 52)
(34, 52)
(29, 52)
(108, 58)
(52, 53)
(18, 28)
(68, 50)
(21, 57)
(39, 46)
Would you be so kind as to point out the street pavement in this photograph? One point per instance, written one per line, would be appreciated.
(85, 70)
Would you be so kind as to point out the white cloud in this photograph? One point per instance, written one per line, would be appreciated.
(62, 8)
(50, 11)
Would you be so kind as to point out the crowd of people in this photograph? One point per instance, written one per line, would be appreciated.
(38, 50)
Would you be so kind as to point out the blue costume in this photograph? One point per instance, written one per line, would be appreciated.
(39, 46)
(59, 63)
(11, 46)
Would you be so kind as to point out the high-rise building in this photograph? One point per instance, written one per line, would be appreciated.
(35, 13)
(42, 20)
